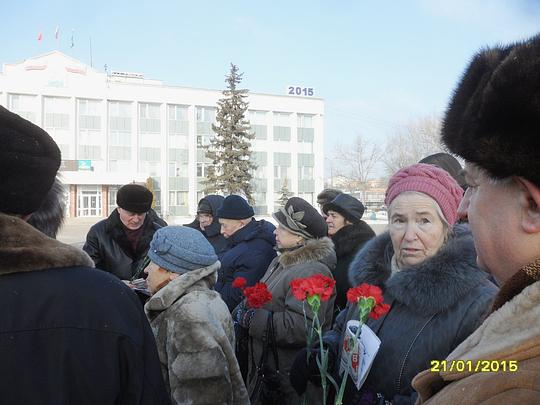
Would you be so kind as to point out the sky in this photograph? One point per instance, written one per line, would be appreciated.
(377, 64)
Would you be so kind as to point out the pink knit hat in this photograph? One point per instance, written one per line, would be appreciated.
(430, 180)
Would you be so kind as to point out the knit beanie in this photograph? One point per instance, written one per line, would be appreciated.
(301, 218)
(29, 160)
(235, 207)
(347, 206)
(134, 198)
(430, 180)
(180, 249)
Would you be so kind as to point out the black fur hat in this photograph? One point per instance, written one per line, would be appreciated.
(134, 198)
(29, 160)
(493, 119)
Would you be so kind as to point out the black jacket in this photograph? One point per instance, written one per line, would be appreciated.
(109, 248)
(70, 334)
(435, 305)
(212, 232)
(248, 254)
(347, 241)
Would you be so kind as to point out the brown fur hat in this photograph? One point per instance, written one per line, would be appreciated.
(493, 119)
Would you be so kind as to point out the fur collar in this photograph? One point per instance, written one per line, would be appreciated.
(203, 278)
(314, 250)
(350, 237)
(24, 249)
(510, 333)
(452, 271)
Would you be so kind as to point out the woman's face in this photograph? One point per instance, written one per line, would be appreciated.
(157, 277)
(416, 230)
(286, 239)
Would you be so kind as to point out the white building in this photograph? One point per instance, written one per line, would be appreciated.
(114, 128)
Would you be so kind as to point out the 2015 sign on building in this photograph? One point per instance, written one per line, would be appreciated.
(300, 91)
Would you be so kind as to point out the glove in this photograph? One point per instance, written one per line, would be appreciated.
(303, 370)
(243, 315)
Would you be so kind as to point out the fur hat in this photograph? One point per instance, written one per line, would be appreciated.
(29, 160)
(134, 198)
(299, 217)
(348, 206)
(235, 207)
(430, 180)
(493, 119)
(327, 195)
(181, 249)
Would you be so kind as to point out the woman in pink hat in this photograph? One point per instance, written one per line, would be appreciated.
(426, 266)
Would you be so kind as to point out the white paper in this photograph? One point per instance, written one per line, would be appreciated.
(358, 358)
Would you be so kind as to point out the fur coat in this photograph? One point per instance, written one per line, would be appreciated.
(70, 333)
(195, 340)
(435, 305)
(348, 241)
(512, 333)
(317, 256)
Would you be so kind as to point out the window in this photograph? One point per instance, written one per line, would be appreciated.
(56, 112)
(178, 121)
(281, 172)
(201, 170)
(206, 114)
(305, 121)
(24, 105)
(178, 113)
(282, 119)
(257, 117)
(178, 198)
(305, 173)
(149, 118)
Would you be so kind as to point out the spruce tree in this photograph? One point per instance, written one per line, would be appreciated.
(285, 194)
(230, 149)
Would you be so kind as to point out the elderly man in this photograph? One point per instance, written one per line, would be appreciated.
(493, 122)
(249, 251)
(119, 243)
(69, 334)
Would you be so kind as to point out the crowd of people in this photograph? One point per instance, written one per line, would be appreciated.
(148, 313)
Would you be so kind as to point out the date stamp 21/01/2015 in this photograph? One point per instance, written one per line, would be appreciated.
(473, 366)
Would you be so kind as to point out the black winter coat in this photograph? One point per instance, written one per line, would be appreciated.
(435, 305)
(347, 241)
(109, 248)
(212, 232)
(248, 254)
(70, 334)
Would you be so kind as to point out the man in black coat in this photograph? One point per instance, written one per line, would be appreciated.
(119, 244)
(349, 234)
(69, 334)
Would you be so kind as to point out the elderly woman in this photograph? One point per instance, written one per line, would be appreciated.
(305, 251)
(426, 267)
(191, 323)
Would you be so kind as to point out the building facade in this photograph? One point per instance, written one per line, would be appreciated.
(115, 128)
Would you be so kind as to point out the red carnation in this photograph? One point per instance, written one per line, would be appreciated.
(258, 295)
(239, 282)
(369, 298)
(304, 288)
